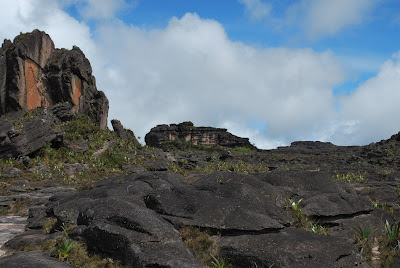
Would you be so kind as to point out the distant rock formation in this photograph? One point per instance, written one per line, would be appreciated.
(186, 131)
(316, 147)
(33, 73)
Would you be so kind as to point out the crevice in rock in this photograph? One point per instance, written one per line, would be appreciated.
(342, 256)
(232, 232)
(153, 204)
(327, 219)
(127, 224)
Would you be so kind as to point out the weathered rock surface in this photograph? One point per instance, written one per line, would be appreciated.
(187, 132)
(10, 226)
(135, 218)
(289, 248)
(24, 133)
(125, 134)
(33, 73)
(31, 260)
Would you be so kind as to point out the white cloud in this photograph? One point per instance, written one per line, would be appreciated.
(27, 15)
(375, 105)
(256, 9)
(322, 18)
(192, 71)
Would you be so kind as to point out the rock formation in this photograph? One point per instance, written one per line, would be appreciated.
(187, 132)
(33, 73)
(23, 133)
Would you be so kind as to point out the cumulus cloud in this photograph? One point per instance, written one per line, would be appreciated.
(27, 15)
(256, 9)
(374, 105)
(322, 18)
(192, 71)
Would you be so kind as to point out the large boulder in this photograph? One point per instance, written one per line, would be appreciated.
(289, 248)
(24, 133)
(33, 73)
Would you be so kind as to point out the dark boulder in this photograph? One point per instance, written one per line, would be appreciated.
(323, 197)
(125, 134)
(133, 234)
(24, 133)
(33, 73)
(224, 201)
(117, 126)
(31, 259)
(289, 248)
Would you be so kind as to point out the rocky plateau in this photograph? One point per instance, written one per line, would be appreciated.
(77, 194)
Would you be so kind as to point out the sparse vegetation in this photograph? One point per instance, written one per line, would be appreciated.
(239, 167)
(350, 177)
(362, 235)
(73, 252)
(385, 206)
(202, 246)
(300, 220)
(393, 232)
(320, 229)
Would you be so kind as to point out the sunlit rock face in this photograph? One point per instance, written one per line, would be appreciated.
(187, 132)
(33, 73)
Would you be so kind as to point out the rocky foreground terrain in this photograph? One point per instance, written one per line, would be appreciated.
(194, 197)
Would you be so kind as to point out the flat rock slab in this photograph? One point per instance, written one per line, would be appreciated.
(31, 260)
(135, 218)
(10, 226)
(289, 248)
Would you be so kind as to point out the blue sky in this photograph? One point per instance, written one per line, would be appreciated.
(275, 71)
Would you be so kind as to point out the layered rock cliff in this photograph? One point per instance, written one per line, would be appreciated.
(33, 73)
(187, 132)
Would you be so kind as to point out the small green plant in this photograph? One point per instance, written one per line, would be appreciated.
(64, 246)
(385, 206)
(361, 235)
(295, 204)
(293, 209)
(393, 232)
(292, 205)
(218, 263)
(320, 229)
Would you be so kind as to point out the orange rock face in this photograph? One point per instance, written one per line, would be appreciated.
(34, 88)
(76, 91)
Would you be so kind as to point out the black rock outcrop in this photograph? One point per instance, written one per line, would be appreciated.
(187, 132)
(33, 73)
(24, 133)
(136, 218)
